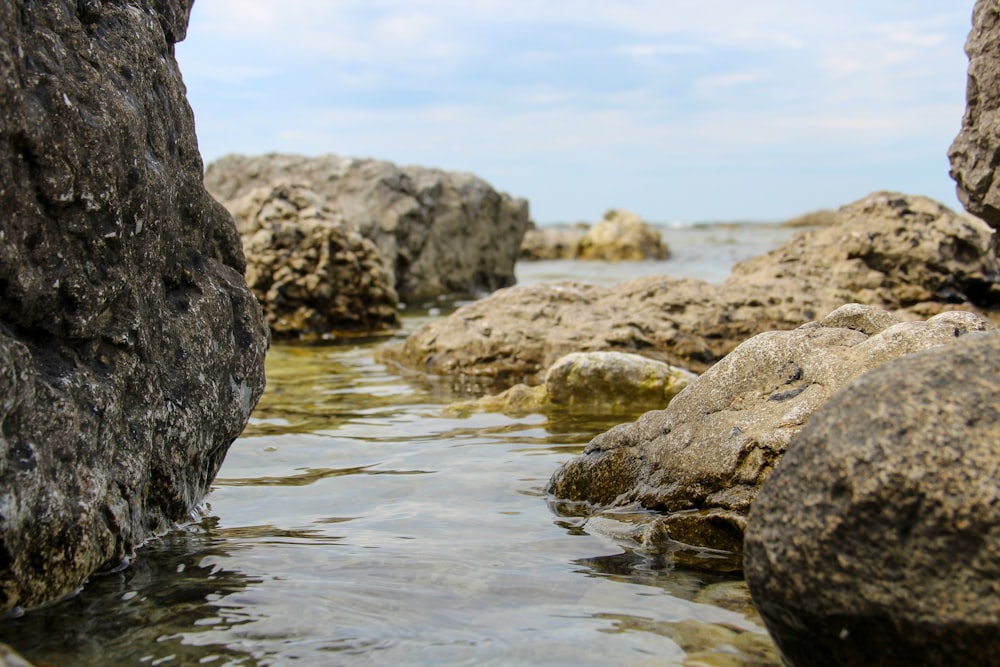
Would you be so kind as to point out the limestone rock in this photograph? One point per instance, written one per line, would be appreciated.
(611, 382)
(131, 350)
(441, 232)
(976, 150)
(315, 275)
(907, 254)
(702, 460)
(622, 236)
(552, 242)
(877, 538)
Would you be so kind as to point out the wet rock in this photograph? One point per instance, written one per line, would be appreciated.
(441, 232)
(612, 382)
(976, 150)
(315, 275)
(907, 254)
(877, 538)
(702, 460)
(131, 350)
(622, 236)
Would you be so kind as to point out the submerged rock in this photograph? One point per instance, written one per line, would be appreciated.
(131, 349)
(907, 254)
(611, 382)
(315, 275)
(877, 538)
(702, 460)
(441, 232)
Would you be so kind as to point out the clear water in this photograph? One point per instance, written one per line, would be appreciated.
(355, 523)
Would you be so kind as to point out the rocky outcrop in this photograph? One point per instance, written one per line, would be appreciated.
(702, 460)
(131, 350)
(891, 555)
(908, 254)
(441, 232)
(620, 236)
(609, 382)
(975, 152)
(314, 274)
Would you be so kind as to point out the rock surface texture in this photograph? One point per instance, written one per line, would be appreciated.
(441, 232)
(702, 460)
(131, 350)
(877, 539)
(315, 275)
(908, 254)
(976, 150)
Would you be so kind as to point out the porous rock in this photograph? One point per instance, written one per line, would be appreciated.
(607, 382)
(702, 460)
(907, 254)
(975, 152)
(131, 350)
(876, 541)
(441, 232)
(315, 275)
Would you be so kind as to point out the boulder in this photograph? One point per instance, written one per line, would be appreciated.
(441, 232)
(131, 349)
(552, 242)
(907, 254)
(876, 541)
(609, 382)
(702, 460)
(315, 275)
(622, 236)
(975, 152)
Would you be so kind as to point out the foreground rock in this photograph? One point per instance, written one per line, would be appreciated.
(907, 254)
(441, 232)
(877, 538)
(702, 460)
(620, 236)
(976, 150)
(131, 350)
(314, 274)
(609, 382)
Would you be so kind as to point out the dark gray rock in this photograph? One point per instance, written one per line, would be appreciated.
(876, 541)
(975, 152)
(702, 460)
(441, 232)
(131, 350)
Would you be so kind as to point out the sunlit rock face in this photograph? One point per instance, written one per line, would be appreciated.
(131, 350)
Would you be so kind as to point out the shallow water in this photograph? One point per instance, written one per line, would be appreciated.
(355, 523)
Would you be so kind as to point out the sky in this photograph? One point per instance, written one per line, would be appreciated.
(678, 110)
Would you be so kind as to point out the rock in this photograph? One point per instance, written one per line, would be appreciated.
(820, 218)
(612, 382)
(312, 271)
(907, 254)
(877, 538)
(702, 460)
(11, 658)
(441, 232)
(976, 150)
(131, 349)
(552, 242)
(622, 236)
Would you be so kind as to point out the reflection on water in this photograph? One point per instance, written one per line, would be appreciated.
(356, 523)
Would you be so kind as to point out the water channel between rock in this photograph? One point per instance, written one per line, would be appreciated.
(355, 523)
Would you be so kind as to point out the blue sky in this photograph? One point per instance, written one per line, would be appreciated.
(676, 109)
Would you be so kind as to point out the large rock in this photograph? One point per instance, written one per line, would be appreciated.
(876, 541)
(702, 460)
(442, 232)
(908, 254)
(975, 152)
(622, 236)
(315, 275)
(131, 350)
